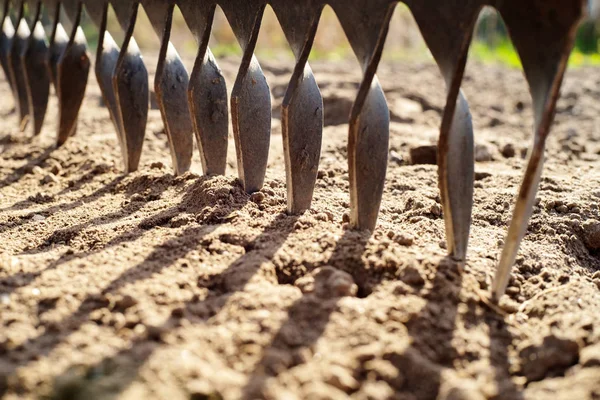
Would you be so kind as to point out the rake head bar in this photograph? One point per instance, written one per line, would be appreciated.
(542, 32)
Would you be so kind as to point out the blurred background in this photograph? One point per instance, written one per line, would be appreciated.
(491, 43)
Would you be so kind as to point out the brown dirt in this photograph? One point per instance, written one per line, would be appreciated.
(151, 286)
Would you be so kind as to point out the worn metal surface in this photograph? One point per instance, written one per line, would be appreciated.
(33, 61)
(542, 31)
(18, 46)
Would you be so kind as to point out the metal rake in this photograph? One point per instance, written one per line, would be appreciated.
(542, 32)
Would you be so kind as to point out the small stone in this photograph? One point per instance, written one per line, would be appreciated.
(591, 234)
(412, 276)
(38, 218)
(482, 153)
(404, 240)
(124, 303)
(346, 218)
(342, 284)
(37, 170)
(322, 217)
(390, 234)
(436, 210)
(55, 168)
(494, 122)
(157, 165)
(424, 155)
(330, 282)
(257, 197)
(49, 178)
(479, 176)
(395, 157)
(509, 151)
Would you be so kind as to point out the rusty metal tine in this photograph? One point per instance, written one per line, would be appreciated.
(207, 91)
(6, 38)
(171, 85)
(366, 24)
(19, 44)
(33, 60)
(251, 97)
(302, 108)
(130, 86)
(447, 30)
(72, 73)
(544, 45)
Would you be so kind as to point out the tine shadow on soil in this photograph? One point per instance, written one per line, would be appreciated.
(432, 331)
(127, 362)
(96, 195)
(74, 186)
(500, 340)
(432, 350)
(155, 262)
(309, 315)
(32, 161)
(13, 282)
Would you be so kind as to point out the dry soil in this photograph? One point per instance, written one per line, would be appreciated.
(154, 286)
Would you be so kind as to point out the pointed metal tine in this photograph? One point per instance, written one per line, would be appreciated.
(36, 73)
(543, 34)
(130, 85)
(73, 72)
(19, 44)
(447, 30)
(251, 97)
(6, 38)
(171, 85)
(207, 91)
(59, 39)
(366, 24)
(107, 56)
(302, 108)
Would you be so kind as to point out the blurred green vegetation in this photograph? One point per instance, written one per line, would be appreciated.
(491, 43)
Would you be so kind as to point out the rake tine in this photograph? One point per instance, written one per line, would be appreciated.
(36, 74)
(302, 108)
(366, 25)
(19, 44)
(6, 39)
(447, 29)
(251, 97)
(129, 84)
(72, 74)
(107, 55)
(59, 39)
(543, 34)
(170, 85)
(207, 91)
